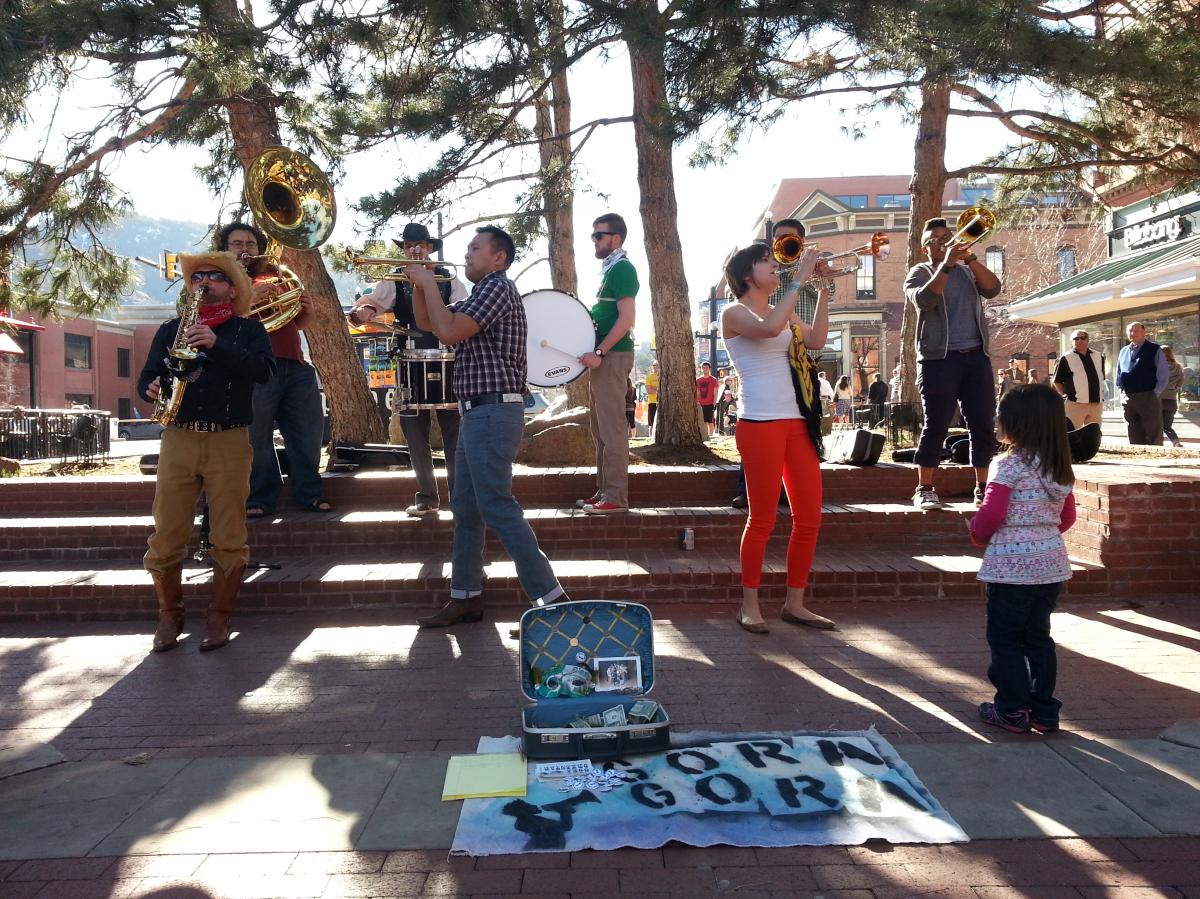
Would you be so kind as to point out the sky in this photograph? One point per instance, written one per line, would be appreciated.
(718, 205)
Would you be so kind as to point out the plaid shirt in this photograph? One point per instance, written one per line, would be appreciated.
(806, 300)
(494, 360)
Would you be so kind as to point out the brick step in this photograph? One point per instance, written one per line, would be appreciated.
(649, 486)
(391, 534)
(121, 590)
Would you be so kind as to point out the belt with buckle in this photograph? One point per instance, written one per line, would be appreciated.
(488, 399)
(205, 427)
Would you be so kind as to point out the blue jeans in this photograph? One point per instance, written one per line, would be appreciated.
(962, 380)
(1024, 665)
(290, 398)
(488, 437)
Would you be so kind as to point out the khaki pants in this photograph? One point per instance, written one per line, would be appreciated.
(610, 429)
(1081, 414)
(190, 461)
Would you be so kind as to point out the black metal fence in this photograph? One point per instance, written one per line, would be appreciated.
(68, 434)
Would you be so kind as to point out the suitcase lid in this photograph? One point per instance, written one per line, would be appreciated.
(579, 633)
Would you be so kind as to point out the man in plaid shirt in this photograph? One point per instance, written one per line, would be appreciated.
(489, 333)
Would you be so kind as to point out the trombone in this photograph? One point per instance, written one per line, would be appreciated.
(973, 224)
(389, 264)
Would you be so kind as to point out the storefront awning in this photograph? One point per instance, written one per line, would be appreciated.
(19, 325)
(1158, 275)
(8, 345)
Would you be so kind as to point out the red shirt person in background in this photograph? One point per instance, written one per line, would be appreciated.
(706, 396)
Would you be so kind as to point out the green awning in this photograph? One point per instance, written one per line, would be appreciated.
(1152, 276)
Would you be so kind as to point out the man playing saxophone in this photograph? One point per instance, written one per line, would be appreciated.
(205, 447)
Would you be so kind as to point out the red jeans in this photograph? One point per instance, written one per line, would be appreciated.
(770, 449)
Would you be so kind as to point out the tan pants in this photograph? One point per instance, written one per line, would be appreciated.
(1080, 414)
(188, 462)
(610, 429)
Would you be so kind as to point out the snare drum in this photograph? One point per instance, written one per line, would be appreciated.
(425, 380)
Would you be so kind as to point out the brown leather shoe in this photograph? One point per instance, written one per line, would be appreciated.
(168, 587)
(466, 611)
(225, 590)
(820, 623)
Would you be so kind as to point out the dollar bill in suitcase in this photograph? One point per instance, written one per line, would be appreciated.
(587, 668)
(856, 446)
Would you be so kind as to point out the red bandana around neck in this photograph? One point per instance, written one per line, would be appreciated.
(216, 315)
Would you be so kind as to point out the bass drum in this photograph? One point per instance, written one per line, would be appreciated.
(560, 331)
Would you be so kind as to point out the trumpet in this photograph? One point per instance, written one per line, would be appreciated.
(787, 249)
(384, 266)
(973, 224)
(850, 261)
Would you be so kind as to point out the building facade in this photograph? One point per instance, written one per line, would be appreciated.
(1152, 275)
(842, 214)
(83, 361)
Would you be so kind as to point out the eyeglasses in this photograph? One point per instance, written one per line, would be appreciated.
(250, 244)
(1081, 337)
(215, 277)
(599, 235)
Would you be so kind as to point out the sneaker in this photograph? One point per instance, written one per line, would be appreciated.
(591, 500)
(1016, 723)
(1177, 443)
(1043, 727)
(926, 499)
(979, 490)
(602, 508)
(740, 502)
(420, 510)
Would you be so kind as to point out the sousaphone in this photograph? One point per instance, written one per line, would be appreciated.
(292, 201)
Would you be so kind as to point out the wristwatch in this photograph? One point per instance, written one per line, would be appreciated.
(599, 352)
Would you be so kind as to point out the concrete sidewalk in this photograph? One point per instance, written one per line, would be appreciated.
(306, 759)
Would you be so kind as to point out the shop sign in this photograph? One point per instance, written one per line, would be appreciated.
(1161, 231)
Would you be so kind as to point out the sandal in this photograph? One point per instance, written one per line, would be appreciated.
(319, 506)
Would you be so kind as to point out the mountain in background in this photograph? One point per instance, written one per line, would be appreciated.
(150, 237)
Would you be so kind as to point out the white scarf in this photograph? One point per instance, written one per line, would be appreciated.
(612, 259)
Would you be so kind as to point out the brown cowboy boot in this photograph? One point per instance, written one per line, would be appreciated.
(466, 611)
(168, 587)
(225, 591)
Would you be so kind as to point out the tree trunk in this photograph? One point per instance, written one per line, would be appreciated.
(553, 128)
(353, 411)
(927, 187)
(677, 423)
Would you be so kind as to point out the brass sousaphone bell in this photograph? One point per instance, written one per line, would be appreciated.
(292, 201)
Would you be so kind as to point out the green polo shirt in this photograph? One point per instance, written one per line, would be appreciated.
(619, 282)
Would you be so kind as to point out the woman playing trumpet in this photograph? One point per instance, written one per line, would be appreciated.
(779, 430)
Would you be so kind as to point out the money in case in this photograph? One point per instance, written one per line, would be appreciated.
(587, 667)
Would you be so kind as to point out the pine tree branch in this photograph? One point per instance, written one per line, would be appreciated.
(1089, 9)
(45, 194)
(492, 217)
(853, 88)
(1073, 166)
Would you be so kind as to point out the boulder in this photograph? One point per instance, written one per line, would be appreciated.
(558, 439)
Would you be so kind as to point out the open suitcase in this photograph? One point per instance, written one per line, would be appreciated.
(563, 645)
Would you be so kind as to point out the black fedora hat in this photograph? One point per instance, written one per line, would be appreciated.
(414, 232)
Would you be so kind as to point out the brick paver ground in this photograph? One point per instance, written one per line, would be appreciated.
(312, 684)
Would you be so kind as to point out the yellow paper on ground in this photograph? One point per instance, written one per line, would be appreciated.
(484, 776)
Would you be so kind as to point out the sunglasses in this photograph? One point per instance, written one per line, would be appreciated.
(599, 235)
(215, 277)
(1080, 338)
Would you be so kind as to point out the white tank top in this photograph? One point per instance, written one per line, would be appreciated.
(766, 376)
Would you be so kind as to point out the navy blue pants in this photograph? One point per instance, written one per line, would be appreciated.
(1024, 665)
(960, 381)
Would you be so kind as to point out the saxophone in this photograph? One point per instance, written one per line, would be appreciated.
(180, 359)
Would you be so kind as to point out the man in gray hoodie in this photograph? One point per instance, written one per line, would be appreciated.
(953, 367)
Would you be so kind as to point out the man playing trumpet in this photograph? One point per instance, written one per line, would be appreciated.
(206, 446)
(397, 297)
